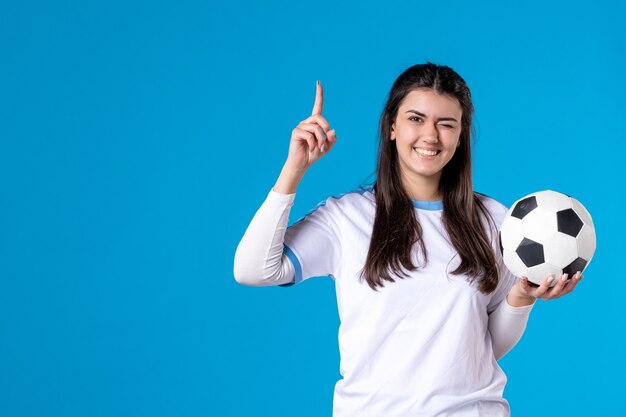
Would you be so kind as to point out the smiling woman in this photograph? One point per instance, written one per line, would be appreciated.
(428, 343)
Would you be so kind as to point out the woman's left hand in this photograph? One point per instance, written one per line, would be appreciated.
(544, 291)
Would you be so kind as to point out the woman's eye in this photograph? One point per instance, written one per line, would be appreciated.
(419, 119)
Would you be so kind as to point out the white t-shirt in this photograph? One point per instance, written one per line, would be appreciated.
(420, 346)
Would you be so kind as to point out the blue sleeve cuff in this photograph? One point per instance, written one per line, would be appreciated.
(296, 266)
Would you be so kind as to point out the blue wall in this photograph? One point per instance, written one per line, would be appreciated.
(137, 140)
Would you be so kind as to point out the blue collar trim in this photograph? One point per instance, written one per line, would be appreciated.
(428, 205)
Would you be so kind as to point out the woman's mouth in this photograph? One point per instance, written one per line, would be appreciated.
(426, 154)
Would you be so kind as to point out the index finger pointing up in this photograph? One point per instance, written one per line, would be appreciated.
(319, 99)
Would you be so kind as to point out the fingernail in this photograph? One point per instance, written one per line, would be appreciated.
(564, 277)
(318, 82)
(323, 147)
(550, 279)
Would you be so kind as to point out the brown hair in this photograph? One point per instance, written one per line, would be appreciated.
(396, 228)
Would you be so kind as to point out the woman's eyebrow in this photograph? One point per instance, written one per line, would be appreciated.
(423, 115)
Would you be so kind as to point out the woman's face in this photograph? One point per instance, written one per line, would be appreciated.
(427, 122)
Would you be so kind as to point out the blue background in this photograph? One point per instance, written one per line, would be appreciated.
(138, 139)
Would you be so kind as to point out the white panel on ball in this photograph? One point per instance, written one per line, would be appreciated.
(553, 201)
(513, 231)
(561, 249)
(539, 225)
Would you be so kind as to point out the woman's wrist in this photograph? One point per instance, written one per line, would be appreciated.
(516, 298)
(288, 180)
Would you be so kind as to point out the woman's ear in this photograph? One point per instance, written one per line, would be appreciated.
(391, 136)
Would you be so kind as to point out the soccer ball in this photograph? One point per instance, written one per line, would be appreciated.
(547, 233)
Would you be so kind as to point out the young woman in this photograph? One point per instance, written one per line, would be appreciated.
(426, 305)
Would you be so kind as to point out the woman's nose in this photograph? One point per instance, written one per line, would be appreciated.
(430, 132)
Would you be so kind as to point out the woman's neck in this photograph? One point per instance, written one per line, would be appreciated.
(423, 188)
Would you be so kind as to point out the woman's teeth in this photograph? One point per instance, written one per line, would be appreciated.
(425, 152)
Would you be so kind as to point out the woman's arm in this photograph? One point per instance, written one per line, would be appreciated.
(507, 324)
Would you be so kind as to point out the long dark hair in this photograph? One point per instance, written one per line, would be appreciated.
(396, 228)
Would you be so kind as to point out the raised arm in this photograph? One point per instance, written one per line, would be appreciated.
(259, 258)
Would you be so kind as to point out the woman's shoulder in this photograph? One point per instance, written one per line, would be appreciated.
(348, 203)
(496, 208)
(357, 197)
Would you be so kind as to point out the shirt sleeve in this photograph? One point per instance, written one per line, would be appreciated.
(506, 323)
(313, 243)
(260, 259)
(506, 326)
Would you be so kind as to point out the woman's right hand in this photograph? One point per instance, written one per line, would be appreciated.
(307, 143)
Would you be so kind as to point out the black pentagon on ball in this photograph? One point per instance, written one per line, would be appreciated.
(568, 222)
(578, 265)
(500, 240)
(523, 207)
(530, 252)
